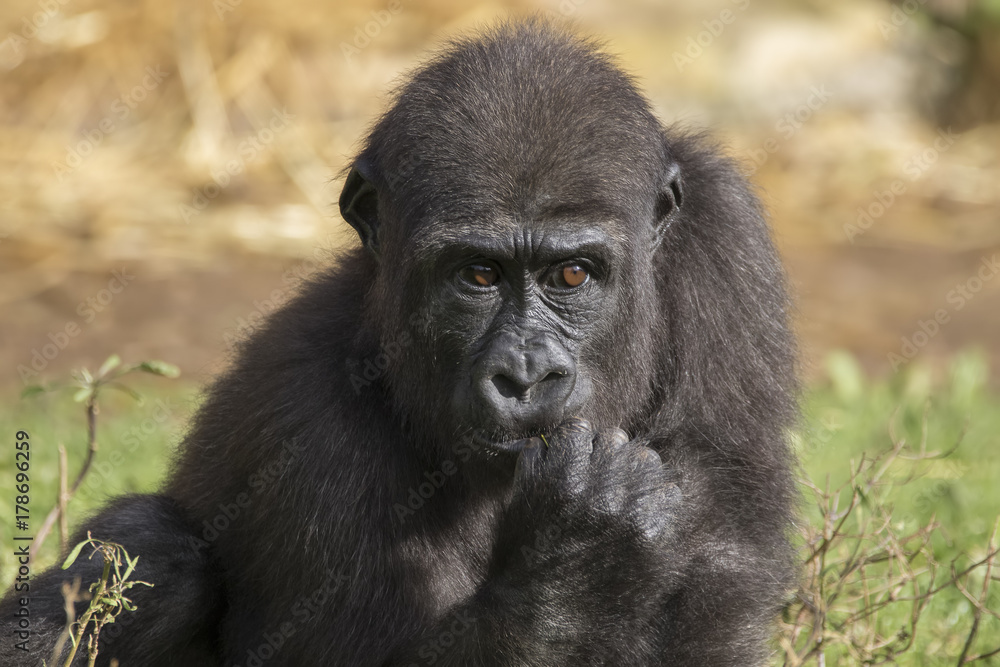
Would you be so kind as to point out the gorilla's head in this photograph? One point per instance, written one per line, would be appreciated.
(512, 199)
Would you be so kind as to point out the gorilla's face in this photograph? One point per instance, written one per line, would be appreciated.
(518, 306)
(515, 228)
(523, 296)
(520, 309)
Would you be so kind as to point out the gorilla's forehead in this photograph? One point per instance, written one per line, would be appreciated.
(517, 166)
(543, 240)
(504, 186)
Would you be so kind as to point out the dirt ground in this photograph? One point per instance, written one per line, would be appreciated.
(116, 119)
(860, 299)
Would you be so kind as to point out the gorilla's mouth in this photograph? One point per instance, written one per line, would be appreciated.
(507, 444)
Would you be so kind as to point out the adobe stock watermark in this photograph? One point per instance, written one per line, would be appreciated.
(88, 310)
(255, 319)
(820, 433)
(368, 370)
(223, 7)
(104, 469)
(265, 476)
(364, 34)
(121, 108)
(546, 538)
(14, 46)
(434, 480)
(417, 496)
(247, 151)
(302, 271)
(898, 16)
(786, 126)
(947, 473)
(566, 8)
(913, 168)
(957, 298)
(432, 650)
(697, 44)
(304, 609)
(404, 169)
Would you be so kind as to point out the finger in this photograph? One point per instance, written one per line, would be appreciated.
(575, 424)
(647, 459)
(608, 446)
(571, 443)
(656, 512)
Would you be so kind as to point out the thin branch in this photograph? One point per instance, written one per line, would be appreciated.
(50, 519)
(63, 499)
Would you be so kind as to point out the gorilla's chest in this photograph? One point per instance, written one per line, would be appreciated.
(450, 559)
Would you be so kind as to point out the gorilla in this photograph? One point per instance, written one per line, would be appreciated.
(538, 416)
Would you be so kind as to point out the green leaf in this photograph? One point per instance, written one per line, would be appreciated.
(32, 390)
(126, 390)
(160, 368)
(74, 554)
(970, 374)
(82, 395)
(131, 566)
(112, 362)
(845, 375)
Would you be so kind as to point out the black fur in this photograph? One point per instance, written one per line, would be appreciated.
(352, 494)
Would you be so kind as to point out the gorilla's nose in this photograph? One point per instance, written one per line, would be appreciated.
(526, 381)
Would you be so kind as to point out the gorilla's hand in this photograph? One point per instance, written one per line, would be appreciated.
(592, 518)
(598, 475)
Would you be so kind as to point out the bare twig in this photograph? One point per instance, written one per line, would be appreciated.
(979, 604)
(63, 499)
(54, 513)
(71, 595)
(861, 568)
(89, 388)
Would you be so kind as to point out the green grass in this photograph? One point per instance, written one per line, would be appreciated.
(849, 416)
(844, 417)
(135, 441)
(854, 416)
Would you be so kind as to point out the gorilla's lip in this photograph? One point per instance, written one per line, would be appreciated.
(510, 446)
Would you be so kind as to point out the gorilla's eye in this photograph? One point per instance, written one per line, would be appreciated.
(570, 275)
(480, 275)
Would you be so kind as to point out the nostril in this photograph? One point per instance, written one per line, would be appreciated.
(554, 376)
(508, 388)
(524, 391)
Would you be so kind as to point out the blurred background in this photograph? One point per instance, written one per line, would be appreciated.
(197, 148)
(169, 171)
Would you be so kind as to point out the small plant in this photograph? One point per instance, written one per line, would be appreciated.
(107, 599)
(869, 574)
(88, 388)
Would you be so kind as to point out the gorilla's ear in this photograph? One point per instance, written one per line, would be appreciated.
(668, 203)
(359, 205)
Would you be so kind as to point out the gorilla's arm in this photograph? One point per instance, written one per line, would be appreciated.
(590, 551)
(580, 555)
(734, 566)
(175, 620)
